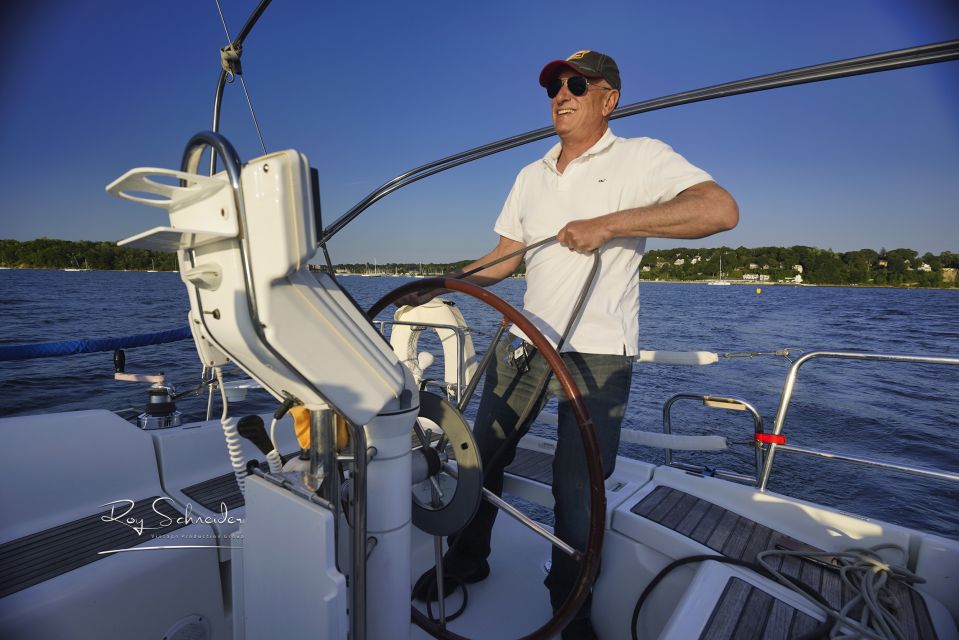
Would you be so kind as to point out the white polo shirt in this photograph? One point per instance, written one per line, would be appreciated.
(614, 174)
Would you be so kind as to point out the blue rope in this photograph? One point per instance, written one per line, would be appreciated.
(70, 347)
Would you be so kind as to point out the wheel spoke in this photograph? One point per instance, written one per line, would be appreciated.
(421, 435)
(523, 519)
(437, 492)
(531, 524)
(481, 369)
(442, 442)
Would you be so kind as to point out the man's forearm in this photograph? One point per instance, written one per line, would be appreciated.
(700, 211)
(490, 275)
(697, 212)
(486, 277)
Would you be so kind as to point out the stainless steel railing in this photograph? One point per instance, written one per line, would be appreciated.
(718, 402)
(786, 397)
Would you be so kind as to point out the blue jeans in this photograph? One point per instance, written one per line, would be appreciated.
(604, 382)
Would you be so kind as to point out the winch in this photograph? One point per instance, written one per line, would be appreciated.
(160, 411)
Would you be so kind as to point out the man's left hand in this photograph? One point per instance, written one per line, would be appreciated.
(584, 235)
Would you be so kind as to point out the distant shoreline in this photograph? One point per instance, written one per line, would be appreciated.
(800, 285)
(801, 265)
(80, 270)
(738, 283)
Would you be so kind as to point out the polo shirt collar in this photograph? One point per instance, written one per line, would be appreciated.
(607, 139)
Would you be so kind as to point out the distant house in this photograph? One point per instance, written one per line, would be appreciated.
(646, 268)
(797, 267)
(797, 279)
(751, 276)
(765, 267)
(695, 260)
(923, 267)
(883, 264)
(764, 277)
(680, 262)
(753, 265)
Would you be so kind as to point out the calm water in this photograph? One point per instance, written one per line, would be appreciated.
(895, 412)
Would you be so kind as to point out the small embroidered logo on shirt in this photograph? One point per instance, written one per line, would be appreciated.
(602, 180)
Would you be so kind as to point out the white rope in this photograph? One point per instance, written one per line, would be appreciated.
(223, 20)
(869, 577)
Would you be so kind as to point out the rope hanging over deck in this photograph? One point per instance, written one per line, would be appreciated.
(70, 347)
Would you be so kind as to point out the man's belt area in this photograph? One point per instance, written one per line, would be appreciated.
(518, 354)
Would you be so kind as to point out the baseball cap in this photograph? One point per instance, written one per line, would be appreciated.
(591, 64)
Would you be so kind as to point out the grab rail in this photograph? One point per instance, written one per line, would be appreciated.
(787, 396)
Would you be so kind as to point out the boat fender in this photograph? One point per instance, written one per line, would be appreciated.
(405, 338)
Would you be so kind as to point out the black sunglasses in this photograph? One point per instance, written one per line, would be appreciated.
(577, 85)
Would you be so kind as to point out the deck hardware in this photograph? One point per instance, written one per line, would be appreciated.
(160, 411)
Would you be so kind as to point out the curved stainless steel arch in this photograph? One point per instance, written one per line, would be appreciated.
(898, 59)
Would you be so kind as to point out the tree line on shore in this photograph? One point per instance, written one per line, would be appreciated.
(868, 267)
(896, 267)
(49, 253)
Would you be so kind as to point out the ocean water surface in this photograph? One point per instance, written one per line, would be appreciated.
(895, 412)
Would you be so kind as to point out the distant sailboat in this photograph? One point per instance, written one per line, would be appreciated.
(76, 262)
(372, 274)
(720, 281)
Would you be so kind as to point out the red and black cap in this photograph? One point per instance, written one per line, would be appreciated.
(591, 64)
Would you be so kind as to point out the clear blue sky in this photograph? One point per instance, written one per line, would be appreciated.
(368, 90)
